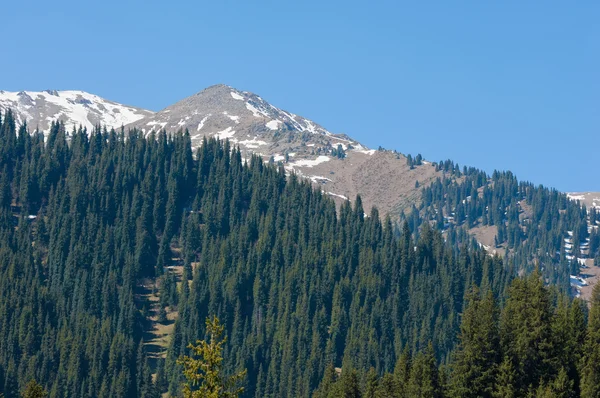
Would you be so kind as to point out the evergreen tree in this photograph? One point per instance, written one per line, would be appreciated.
(590, 364)
(526, 334)
(424, 377)
(34, 390)
(204, 375)
(476, 360)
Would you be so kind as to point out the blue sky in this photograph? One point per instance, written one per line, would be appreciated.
(497, 85)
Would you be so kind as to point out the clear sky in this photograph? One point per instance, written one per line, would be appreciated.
(497, 85)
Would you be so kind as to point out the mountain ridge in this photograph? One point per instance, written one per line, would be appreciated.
(304, 147)
(73, 107)
(338, 165)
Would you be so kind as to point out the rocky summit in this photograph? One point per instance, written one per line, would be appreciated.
(341, 166)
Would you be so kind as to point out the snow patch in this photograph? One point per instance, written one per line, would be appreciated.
(201, 124)
(576, 197)
(252, 144)
(312, 162)
(236, 96)
(577, 281)
(273, 124)
(154, 124)
(252, 109)
(255, 111)
(227, 133)
(234, 118)
(336, 195)
(319, 179)
(369, 152)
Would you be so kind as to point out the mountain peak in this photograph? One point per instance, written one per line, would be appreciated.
(74, 108)
(225, 112)
(217, 92)
(339, 165)
(215, 89)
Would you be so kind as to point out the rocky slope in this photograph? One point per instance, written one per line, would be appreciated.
(74, 108)
(341, 166)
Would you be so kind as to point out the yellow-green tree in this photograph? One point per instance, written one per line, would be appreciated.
(33, 390)
(203, 370)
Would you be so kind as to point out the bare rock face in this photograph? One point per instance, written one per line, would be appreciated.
(75, 108)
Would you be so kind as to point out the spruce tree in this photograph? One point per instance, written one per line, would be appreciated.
(590, 364)
(34, 390)
(526, 333)
(476, 360)
(424, 379)
(204, 374)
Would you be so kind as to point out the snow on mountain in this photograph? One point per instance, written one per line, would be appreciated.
(74, 108)
(589, 199)
(303, 147)
(213, 110)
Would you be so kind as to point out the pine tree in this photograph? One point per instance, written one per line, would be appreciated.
(372, 384)
(348, 386)
(505, 381)
(526, 332)
(477, 356)
(204, 375)
(327, 383)
(34, 390)
(590, 364)
(424, 379)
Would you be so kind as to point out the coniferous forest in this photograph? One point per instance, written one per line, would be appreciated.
(535, 226)
(313, 299)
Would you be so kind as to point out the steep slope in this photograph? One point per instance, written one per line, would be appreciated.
(341, 166)
(74, 108)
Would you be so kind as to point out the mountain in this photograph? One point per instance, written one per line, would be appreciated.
(127, 245)
(74, 108)
(341, 166)
(225, 112)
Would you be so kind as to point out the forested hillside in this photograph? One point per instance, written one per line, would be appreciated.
(538, 344)
(532, 226)
(88, 220)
